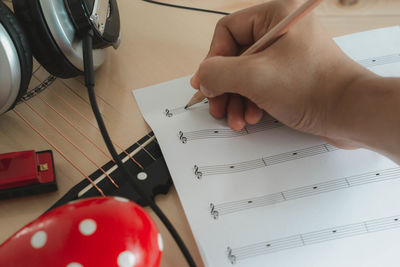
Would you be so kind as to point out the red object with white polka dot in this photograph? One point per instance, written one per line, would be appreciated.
(94, 232)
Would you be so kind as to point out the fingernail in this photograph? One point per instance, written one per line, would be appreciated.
(205, 91)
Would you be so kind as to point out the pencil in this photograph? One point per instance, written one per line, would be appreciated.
(280, 29)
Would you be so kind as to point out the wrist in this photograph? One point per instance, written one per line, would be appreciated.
(367, 114)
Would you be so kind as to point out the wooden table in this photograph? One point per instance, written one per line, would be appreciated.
(158, 44)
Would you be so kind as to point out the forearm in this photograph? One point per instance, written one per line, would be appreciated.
(369, 114)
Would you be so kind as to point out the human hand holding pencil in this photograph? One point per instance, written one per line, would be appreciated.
(277, 31)
(298, 79)
(302, 79)
(241, 87)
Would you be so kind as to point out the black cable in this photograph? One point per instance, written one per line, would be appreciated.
(89, 82)
(187, 7)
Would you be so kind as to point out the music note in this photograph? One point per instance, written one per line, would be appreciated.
(182, 137)
(265, 161)
(376, 61)
(198, 173)
(231, 257)
(306, 239)
(168, 113)
(268, 188)
(305, 191)
(214, 213)
(267, 123)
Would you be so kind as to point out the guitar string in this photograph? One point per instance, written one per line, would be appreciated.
(96, 127)
(58, 150)
(37, 68)
(90, 140)
(77, 129)
(38, 89)
(82, 83)
(115, 167)
(88, 120)
(105, 174)
(70, 141)
(110, 170)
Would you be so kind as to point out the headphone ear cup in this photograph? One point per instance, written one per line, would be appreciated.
(17, 35)
(44, 47)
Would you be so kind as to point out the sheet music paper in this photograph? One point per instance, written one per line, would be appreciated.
(272, 196)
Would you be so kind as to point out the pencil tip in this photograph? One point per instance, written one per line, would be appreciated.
(186, 106)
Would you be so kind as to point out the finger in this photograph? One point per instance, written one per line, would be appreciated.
(220, 75)
(194, 81)
(222, 44)
(235, 112)
(233, 34)
(218, 106)
(236, 32)
(342, 144)
(252, 114)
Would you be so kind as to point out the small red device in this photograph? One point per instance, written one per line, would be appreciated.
(26, 173)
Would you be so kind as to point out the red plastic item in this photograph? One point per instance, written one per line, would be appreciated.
(24, 168)
(94, 232)
(18, 169)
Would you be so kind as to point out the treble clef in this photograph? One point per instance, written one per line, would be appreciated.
(214, 213)
(182, 138)
(198, 173)
(231, 257)
(168, 113)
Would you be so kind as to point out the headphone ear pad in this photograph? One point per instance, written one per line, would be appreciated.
(44, 47)
(17, 35)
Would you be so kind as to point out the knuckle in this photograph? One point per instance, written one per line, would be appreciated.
(222, 21)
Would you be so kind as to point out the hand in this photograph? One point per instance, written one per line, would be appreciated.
(299, 79)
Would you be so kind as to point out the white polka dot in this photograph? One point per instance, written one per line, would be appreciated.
(87, 227)
(122, 199)
(39, 239)
(142, 176)
(160, 242)
(126, 259)
(74, 264)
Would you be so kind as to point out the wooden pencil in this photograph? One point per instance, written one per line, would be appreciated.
(280, 29)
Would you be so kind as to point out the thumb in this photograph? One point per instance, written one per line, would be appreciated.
(219, 75)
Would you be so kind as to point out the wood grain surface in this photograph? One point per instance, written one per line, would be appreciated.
(158, 44)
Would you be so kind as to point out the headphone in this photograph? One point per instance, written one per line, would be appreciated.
(68, 38)
(50, 30)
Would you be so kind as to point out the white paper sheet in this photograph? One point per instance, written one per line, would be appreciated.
(272, 196)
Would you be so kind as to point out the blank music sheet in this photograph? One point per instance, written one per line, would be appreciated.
(271, 196)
